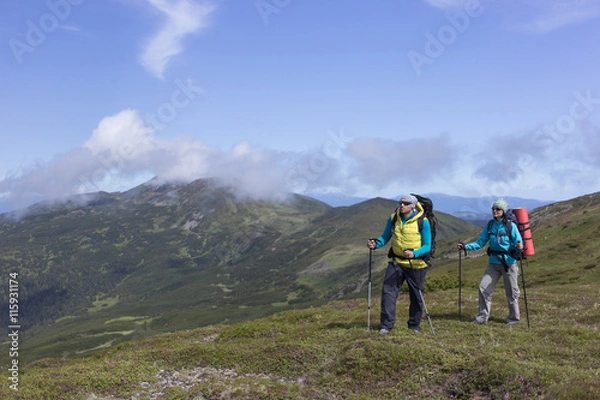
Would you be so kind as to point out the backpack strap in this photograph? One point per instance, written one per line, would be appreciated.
(507, 227)
(391, 253)
(496, 253)
(419, 221)
(501, 255)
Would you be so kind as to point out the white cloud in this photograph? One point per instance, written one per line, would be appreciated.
(543, 16)
(183, 17)
(541, 162)
(124, 151)
(557, 14)
(70, 28)
(124, 134)
(412, 160)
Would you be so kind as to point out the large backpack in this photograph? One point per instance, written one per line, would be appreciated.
(428, 213)
(509, 216)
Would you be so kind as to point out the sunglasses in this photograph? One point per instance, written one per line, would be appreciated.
(405, 203)
(497, 209)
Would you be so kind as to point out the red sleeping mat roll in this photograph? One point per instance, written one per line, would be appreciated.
(525, 230)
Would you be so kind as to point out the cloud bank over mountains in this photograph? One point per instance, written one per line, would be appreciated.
(124, 150)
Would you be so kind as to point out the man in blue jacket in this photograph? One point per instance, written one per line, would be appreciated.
(500, 263)
(410, 235)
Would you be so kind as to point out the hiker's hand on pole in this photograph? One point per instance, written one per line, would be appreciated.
(519, 246)
(461, 246)
(371, 244)
(409, 254)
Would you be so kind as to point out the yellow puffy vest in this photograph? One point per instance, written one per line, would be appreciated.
(407, 236)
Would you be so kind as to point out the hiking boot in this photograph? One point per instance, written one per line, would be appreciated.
(479, 321)
(512, 321)
(384, 331)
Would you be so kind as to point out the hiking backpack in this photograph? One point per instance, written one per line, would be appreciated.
(509, 216)
(428, 213)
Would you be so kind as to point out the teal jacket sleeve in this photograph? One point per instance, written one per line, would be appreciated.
(425, 240)
(480, 242)
(385, 236)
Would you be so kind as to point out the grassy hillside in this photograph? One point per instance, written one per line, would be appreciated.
(113, 267)
(326, 352)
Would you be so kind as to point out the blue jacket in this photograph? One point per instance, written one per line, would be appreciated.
(499, 241)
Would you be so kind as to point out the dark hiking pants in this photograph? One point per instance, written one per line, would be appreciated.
(395, 275)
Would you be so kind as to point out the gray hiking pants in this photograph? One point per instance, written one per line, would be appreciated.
(490, 278)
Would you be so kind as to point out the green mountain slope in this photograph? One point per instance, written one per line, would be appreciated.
(567, 250)
(112, 267)
(326, 352)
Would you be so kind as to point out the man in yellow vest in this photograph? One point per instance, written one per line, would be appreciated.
(410, 235)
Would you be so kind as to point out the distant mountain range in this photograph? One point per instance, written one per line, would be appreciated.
(474, 209)
(468, 208)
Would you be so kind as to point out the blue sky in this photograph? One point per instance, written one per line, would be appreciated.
(378, 98)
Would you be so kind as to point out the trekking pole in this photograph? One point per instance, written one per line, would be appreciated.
(414, 283)
(369, 295)
(524, 291)
(460, 281)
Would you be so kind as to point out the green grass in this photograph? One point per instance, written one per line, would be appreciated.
(327, 352)
(230, 285)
